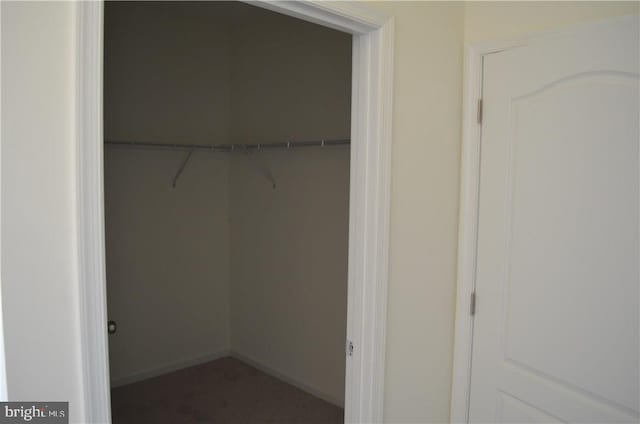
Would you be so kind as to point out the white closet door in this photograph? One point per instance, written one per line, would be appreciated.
(556, 331)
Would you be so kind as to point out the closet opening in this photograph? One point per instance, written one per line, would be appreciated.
(226, 187)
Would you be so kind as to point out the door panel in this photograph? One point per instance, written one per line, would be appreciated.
(556, 333)
(512, 410)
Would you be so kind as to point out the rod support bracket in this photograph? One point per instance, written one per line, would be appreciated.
(182, 166)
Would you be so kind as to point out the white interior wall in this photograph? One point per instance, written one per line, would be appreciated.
(289, 246)
(291, 80)
(166, 77)
(289, 257)
(166, 80)
(167, 261)
(39, 283)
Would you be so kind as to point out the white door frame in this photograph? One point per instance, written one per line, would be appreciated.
(468, 224)
(468, 217)
(368, 210)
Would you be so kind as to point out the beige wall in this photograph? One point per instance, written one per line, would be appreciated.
(39, 268)
(424, 209)
(501, 20)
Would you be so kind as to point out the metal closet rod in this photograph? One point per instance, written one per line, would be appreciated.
(230, 147)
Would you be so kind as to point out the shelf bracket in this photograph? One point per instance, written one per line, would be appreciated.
(184, 164)
(262, 167)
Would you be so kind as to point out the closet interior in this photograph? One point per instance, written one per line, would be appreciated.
(226, 177)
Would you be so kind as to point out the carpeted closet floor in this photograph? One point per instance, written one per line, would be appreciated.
(221, 391)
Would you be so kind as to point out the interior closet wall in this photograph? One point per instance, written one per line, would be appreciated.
(289, 245)
(166, 80)
(224, 262)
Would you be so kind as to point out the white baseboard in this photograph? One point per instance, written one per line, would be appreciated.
(168, 367)
(280, 376)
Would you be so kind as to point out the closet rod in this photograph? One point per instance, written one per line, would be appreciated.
(229, 147)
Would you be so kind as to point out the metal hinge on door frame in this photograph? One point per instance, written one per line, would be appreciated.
(472, 305)
(349, 348)
(479, 111)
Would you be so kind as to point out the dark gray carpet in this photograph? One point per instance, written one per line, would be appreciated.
(221, 391)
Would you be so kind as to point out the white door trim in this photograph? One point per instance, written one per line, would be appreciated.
(90, 201)
(468, 217)
(4, 395)
(369, 199)
(468, 224)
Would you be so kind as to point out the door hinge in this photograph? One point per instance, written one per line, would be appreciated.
(479, 111)
(472, 306)
(349, 348)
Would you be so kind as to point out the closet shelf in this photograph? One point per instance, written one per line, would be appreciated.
(224, 148)
(228, 147)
